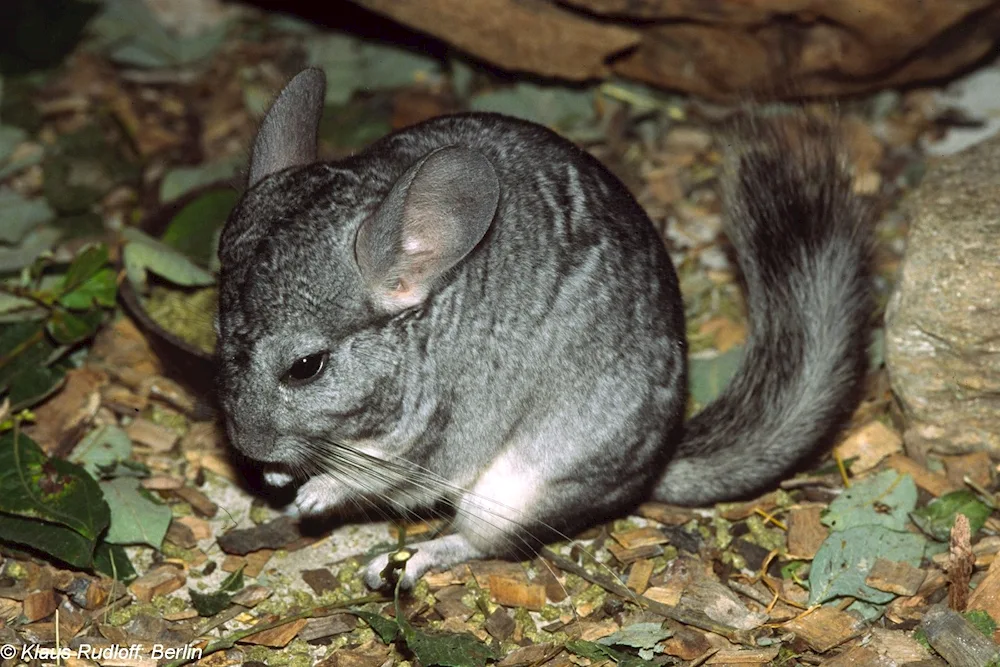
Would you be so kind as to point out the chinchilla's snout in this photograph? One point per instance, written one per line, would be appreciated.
(252, 432)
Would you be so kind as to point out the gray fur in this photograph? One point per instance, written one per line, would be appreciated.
(529, 370)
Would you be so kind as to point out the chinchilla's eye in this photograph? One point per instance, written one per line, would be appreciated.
(306, 369)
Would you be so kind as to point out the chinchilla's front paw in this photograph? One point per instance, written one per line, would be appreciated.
(317, 496)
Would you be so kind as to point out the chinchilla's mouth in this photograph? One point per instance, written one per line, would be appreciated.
(277, 475)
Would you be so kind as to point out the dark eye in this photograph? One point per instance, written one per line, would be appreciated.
(307, 368)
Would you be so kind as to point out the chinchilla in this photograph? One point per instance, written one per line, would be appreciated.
(475, 312)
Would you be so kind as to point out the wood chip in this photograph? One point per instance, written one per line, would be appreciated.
(328, 626)
(232, 563)
(256, 561)
(933, 483)
(276, 534)
(868, 446)
(535, 654)
(986, 597)
(278, 637)
(687, 643)
(516, 593)
(61, 420)
(977, 466)
(591, 630)
(805, 531)
(201, 529)
(123, 400)
(639, 574)
(668, 515)
(760, 656)
(320, 580)
(215, 462)
(898, 646)
(437, 580)
(252, 595)
(181, 615)
(824, 628)
(956, 640)
(860, 656)
(554, 589)
(482, 570)
(668, 595)
(741, 511)
(626, 556)
(9, 610)
(158, 438)
(961, 562)
(39, 604)
(348, 658)
(640, 537)
(181, 535)
(162, 483)
(453, 608)
(895, 577)
(160, 581)
(499, 625)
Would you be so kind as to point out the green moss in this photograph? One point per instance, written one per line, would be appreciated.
(722, 536)
(126, 614)
(594, 595)
(187, 315)
(765, 536)
(170, 604)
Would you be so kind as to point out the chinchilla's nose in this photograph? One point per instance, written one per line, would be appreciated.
(252, 435)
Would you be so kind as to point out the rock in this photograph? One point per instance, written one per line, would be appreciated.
(941, 343)
(726, 49)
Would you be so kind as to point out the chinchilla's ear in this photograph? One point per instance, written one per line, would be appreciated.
(435, 214)
(287, 137)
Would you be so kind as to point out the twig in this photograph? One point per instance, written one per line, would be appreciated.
(315, 612)
(693, 618)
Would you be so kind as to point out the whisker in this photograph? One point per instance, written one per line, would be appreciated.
(394, 481)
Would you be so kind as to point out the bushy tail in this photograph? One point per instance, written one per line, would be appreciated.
(803, 242)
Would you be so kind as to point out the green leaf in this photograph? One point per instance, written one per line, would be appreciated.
(562, 109)
(182, 180)
(845, 558)
(194, 229)
(85, 265)
(23, 346)
(446, 650)
(21, 215)
(102, 449)
(143, 253)
(100, 289)
(28, 250)
(57, 541)
(386, 628)
(135, 517)
(134, 37)
(210, 604)
(643, 636)
(68, 328)
(708, 376)
(352, 65)
(937, 518)
(34, 384)
(595, 651)
(34, 486)
(885, 499)
(111, 559)
(10, 138)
